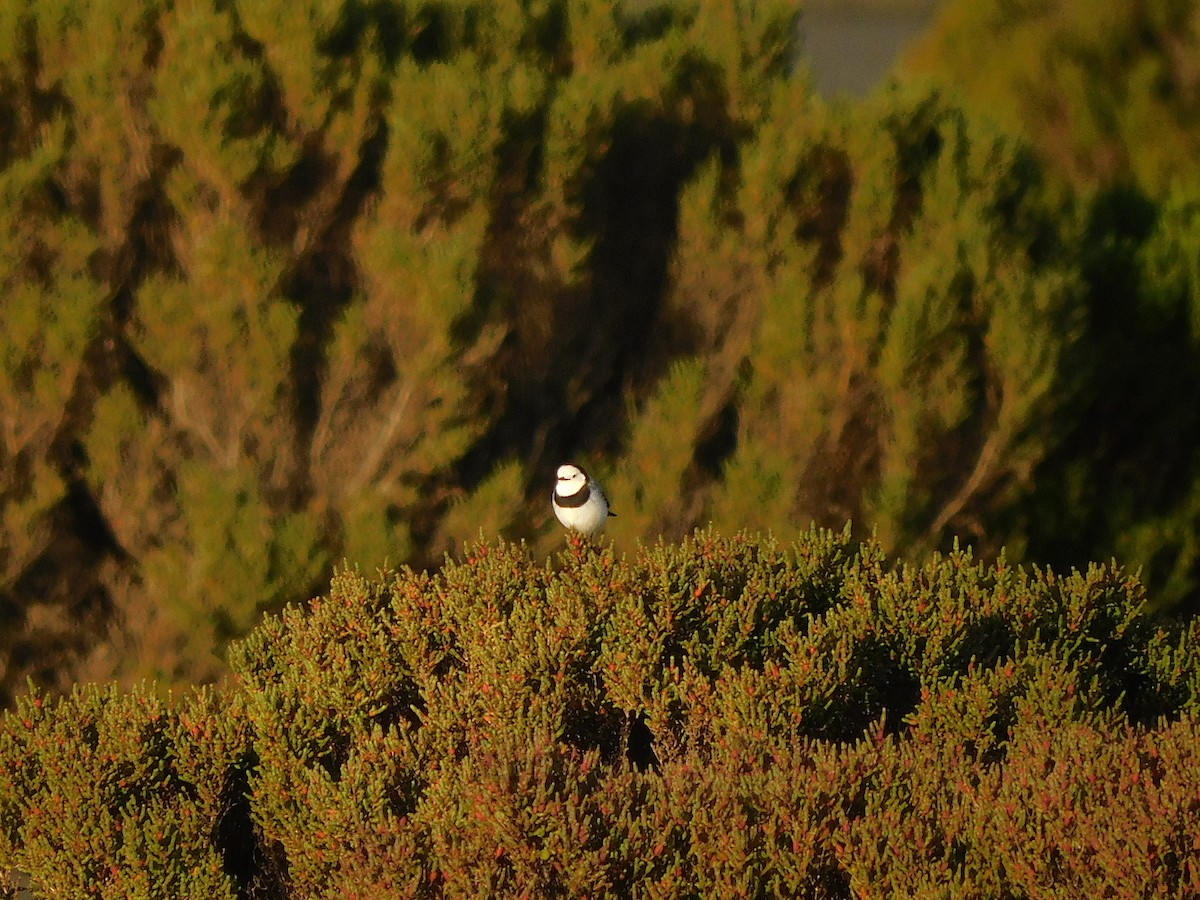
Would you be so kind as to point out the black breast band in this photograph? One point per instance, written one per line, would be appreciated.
(576, 500)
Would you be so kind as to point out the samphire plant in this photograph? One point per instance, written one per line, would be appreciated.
(725, 716)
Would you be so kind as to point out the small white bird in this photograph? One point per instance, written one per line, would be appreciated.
(579, 501)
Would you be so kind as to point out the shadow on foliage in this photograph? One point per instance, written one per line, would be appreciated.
(1130, 449)
(259, 871)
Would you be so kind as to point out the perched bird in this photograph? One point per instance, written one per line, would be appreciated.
(579, 501)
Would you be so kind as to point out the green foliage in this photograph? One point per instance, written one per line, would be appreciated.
(659, 463)
(905, 369)
(1106, 99)
(321, 259)
(288, 283)
(1104, 94)
(122, 795)
(718, 717)
(51, 309)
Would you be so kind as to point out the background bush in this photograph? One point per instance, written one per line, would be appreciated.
(725, 716)
(1107, 103)
(291, 283)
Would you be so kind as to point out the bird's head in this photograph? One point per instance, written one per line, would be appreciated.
(571, 480)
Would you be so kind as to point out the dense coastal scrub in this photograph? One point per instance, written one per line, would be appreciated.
(726, 716)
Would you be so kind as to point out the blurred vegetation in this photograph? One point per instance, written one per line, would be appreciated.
(1108, 100)
(287, 283)
(1105, 93)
